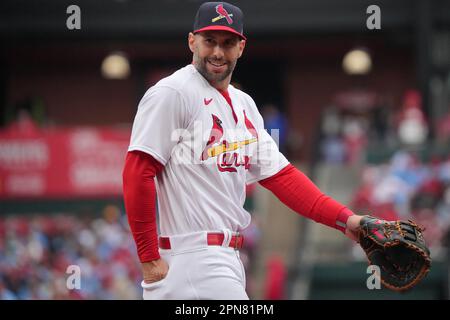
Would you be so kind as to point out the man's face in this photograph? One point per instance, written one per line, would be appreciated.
(215, 53)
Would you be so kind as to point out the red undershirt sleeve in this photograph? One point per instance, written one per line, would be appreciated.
(140, 202)
(299, 193)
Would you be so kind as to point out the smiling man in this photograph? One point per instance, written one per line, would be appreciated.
(196, 142)
(215, 55)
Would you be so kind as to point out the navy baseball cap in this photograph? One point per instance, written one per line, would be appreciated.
(219, 16)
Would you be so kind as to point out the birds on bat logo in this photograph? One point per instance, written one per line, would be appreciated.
(225, 152)
(223, 13)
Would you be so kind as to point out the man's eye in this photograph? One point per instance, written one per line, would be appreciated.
(230, 43)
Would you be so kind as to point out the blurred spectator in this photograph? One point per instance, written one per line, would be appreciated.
(380, 122)
(332, 147)
(275, 279)
(332, 150)
(274, 119)
(355, 139)
(331, 122)
(412, 126)
(343, 138)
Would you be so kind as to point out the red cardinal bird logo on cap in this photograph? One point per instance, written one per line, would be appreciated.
(223, 14)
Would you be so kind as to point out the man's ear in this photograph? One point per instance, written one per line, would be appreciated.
(241, 47)
(191, 41)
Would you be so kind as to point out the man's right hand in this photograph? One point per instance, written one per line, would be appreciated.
(155, 270)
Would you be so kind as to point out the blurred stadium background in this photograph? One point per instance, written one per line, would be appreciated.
(364, 113)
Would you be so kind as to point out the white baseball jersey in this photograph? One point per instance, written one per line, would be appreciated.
(189, 127)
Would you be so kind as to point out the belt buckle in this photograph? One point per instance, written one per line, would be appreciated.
(237, 236)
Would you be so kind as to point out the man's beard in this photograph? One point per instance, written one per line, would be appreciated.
(212, 77)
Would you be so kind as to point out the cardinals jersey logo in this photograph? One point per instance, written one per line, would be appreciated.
(226, 159)
(223, 14)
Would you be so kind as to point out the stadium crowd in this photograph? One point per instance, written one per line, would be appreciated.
(37, 251)
(408, 188)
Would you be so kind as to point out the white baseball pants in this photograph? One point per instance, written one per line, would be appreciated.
(198, 271)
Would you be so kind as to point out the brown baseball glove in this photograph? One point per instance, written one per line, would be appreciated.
(398, 249)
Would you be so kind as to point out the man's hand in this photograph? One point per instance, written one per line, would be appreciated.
(155, 270)
(353, 227)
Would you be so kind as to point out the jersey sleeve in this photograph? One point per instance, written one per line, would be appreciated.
(267, 160)
(160, 119)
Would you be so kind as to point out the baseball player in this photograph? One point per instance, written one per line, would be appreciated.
(195, 144)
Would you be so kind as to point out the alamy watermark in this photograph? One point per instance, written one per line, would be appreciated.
(374, 280)
(374, 20)
(74, 279)
(73, 21)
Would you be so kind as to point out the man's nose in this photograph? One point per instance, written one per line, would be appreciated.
(218, 52)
